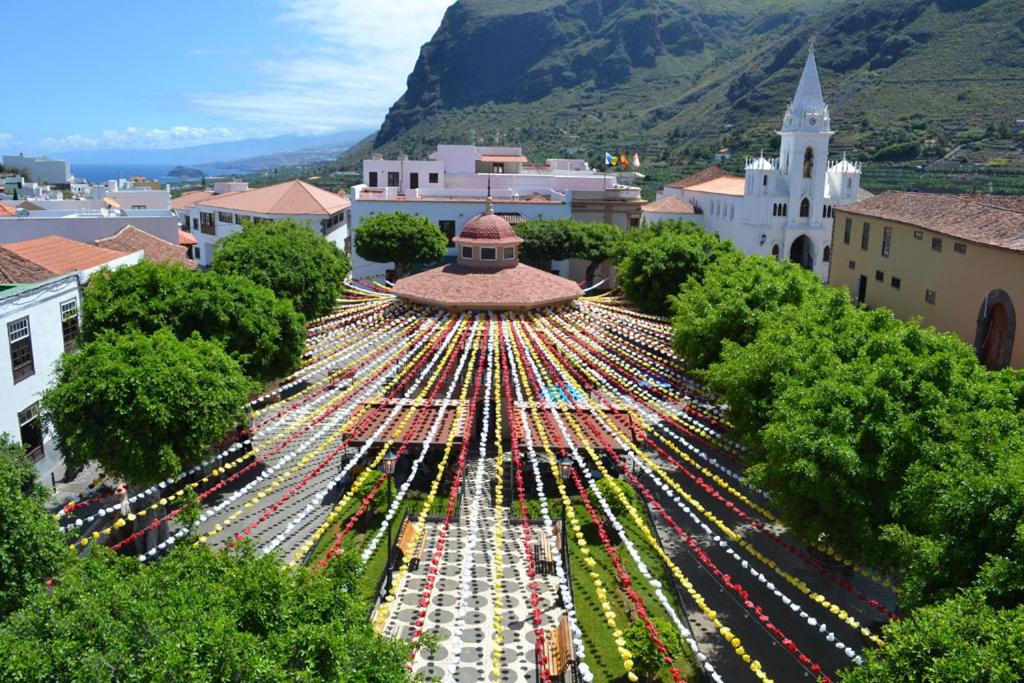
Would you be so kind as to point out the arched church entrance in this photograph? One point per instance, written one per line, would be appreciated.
(997, 323)
(802, 252)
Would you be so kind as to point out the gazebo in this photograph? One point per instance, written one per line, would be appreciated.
(487, 274)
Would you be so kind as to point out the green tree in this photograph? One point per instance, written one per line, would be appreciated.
(399, 237)
(563, 238)
(199, 615)
(732, 299)
(262, 332)
(654, 261)
(288, 258)
(963, 640)
(648, 663)
(144, 407)
(31, 546)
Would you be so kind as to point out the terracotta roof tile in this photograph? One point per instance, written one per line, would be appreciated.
(457, 287)
(18, 270)
(487, 226)
(189, 199)
(61, 255)
(130, 239)
(709, 173)
(186, 239)
(7, 210)
(724, 185)
(982, 219)
(294, 197)
(668, 204)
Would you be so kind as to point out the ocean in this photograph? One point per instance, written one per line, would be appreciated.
(100, 173)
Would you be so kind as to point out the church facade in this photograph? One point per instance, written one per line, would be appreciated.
(782, 206)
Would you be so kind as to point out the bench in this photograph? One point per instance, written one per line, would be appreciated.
(545, 554)
(558, 648)
(412, 551)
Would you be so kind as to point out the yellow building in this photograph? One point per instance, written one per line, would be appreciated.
(957, 261)
(143, 183)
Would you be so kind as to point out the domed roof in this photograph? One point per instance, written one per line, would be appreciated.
(487, 226)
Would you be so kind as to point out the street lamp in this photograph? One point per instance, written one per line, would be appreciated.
(388, 467)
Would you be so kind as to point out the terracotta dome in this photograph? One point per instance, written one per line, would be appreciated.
(487, 226)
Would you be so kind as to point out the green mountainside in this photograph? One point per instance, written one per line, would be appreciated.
(674, 79)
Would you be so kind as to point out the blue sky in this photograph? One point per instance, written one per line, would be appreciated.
(157, 73)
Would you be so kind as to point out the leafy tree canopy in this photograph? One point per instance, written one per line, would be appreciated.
(732, 299)
(144, 407)
(31, 546)
(647, 661)
(263, 333)
(290, 259)
(656, 260)
(564, 238)
(199, 615)
(962, 639)
(402, 238)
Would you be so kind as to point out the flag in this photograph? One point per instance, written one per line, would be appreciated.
(624, 158)
(615, 161)
(636, 160)
(608, 159)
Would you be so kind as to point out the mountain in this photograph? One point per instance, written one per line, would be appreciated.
(272, 151)
(585, 76)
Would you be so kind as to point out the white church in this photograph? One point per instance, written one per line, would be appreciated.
(780, 207)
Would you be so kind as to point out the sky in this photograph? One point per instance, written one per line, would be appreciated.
(160, 74)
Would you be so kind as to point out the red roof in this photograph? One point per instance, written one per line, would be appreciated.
(457, 287)
(487, 226)
(7, 210)
(709, 173)
(186, 239)
(18, 270)
(668, 204)
(189, 199)
(130, 239)
(61, 255)
(294, 197)
(991, 221)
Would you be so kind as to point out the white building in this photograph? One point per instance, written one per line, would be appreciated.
(781, 207)
(40, 297)
(210, 217)
(41, 169)
(451, 186)
(448, 213)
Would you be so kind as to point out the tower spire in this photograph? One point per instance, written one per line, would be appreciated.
(808, 93)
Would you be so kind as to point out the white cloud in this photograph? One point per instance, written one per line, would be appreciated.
(143, 138)
(352, 69)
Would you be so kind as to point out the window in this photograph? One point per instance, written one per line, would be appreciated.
(929, 296)
(775, 209)
(960, 248)
(808, 162)
(918, 235)
(414, 181)
(510, 253)
(139, 207)
(20, 337)
(826, 256)
(805, 208)
(393, 178)
(467, 252)
(488, 254)
(764, 181)
(238, 218)
(448, 228)
(847, 229)
(195, 223)
(195, 250)
(498, 168)
(206, 223)
(775, 251)
(865, 237)
(432, 178)
(69, 323)
(895, 282)
(225, 217)
(373, 179)
(880, 276)
(853, 265)
(886, 241)
(31, 431)
(936, 244)
(785, 209)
